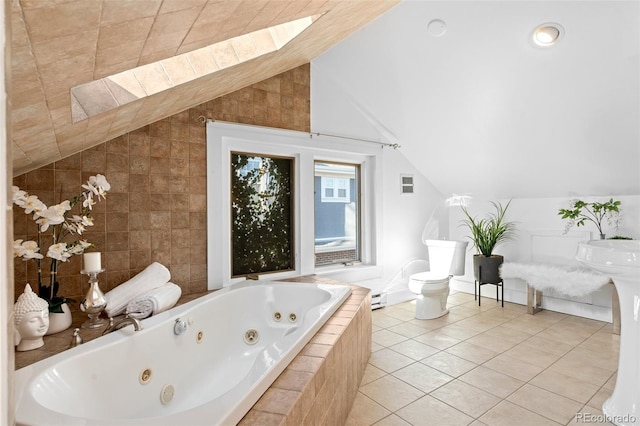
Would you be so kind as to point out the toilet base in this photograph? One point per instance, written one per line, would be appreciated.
(431, 307)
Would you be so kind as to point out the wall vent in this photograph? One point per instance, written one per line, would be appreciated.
(406, 184)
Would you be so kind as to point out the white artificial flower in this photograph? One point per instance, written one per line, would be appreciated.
(88, 200)
(53, 215)
(30, 250)
(33, 204)
(98, 185)
(84, 244)
(59, 252)
(18, 250)
(101, 181)
(19, 195)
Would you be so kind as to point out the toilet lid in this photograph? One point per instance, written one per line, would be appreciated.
(429, 277)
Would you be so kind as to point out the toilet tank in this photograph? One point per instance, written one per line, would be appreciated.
(446, 257)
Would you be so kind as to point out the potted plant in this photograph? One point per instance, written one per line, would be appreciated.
(486, 234)
(580, 211)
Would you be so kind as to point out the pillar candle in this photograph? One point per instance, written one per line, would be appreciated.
(92, 262)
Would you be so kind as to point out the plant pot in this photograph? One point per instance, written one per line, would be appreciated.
(486, 269)
(59, 321)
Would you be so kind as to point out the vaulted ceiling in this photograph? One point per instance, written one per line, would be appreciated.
(57, 45)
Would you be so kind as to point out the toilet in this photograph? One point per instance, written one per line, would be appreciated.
(446, 259)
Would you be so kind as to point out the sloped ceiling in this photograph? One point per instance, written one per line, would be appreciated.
(58, 44)
(482, 111)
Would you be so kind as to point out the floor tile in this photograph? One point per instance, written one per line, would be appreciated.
(545, 403)
(437, 340)
(582, 371)
(458, 332)
(599, 398)
(514, 367)
(414, 350)
(472, 352)
(383, 321)
(392, 420)
(508, 414)
(388, 360)
(407, 330)
(371, 373)
(365, 411)
(422, 377)
(391, 393)
(533, 355)
(564, 385)
(387, 338)
(466, 398)
(449, 364)
(428, 411)
(486, 365)
(492, 381)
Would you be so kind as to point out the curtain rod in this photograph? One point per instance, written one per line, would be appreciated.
(202, 119)
(382, 144)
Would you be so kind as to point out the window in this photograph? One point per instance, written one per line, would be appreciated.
(261, 216)
(335, 189)
(337, 213)
(357, 164)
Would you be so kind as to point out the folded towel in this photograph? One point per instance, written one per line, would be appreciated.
(151, 277)
(155, 301)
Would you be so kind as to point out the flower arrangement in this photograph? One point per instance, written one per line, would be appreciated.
(580, 211)
(60, 223)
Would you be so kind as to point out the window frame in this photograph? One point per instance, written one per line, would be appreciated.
(305, 148)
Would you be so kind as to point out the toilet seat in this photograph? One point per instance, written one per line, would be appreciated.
(427, 283)
(430, 277)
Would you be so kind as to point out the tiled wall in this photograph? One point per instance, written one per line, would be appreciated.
(156, 208)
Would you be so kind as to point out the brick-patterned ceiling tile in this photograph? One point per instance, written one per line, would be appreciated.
(119, 33)
(173, 6)
(66, 47)
(126, 10)
(267, 16)
(117, 59)
(46, 21)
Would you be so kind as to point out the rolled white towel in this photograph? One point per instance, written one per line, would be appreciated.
(151, 277)
(154, 301)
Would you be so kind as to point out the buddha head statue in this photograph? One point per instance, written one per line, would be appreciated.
(31, 320)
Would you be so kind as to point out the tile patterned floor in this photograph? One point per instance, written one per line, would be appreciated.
(485, 365)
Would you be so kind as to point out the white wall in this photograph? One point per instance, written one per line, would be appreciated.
(334, 111)
(540, 239)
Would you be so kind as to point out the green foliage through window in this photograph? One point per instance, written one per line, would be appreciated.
(261, 208)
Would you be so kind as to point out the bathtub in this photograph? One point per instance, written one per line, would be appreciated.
(238, 340)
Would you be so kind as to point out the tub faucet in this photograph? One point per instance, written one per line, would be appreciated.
(127, 320)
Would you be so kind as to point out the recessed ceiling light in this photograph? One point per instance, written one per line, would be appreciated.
(547, 34)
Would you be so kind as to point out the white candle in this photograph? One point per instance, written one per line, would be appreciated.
(92, 262)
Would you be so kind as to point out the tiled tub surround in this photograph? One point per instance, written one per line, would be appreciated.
(156, 208)
(319, 385)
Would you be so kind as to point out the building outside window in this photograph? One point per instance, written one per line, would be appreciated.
(337, 213)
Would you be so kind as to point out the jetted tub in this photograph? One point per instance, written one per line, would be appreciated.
(238, 340)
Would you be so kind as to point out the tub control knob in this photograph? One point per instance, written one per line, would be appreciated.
(179, 327)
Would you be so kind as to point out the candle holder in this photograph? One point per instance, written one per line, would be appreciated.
(94, 302)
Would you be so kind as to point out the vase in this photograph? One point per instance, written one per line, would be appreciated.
(59, 321)
(486, 269)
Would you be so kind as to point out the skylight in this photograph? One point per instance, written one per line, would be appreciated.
(111, 92)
